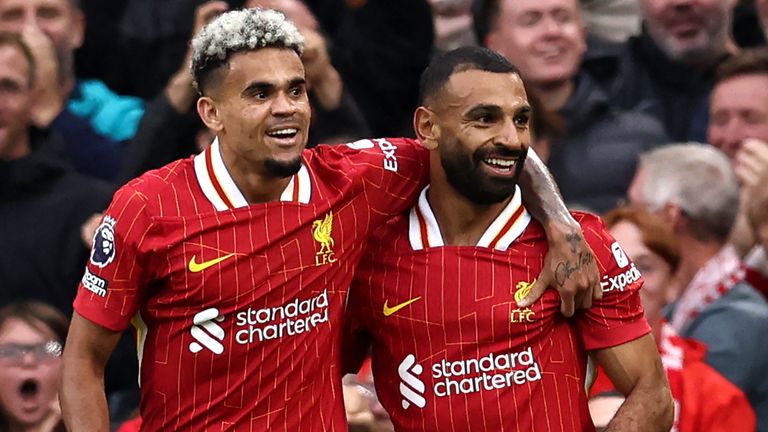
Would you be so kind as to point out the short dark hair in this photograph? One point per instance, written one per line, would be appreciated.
(484, 16)
(14, 40)
(461, 59)
(37, 314)
(746, 62)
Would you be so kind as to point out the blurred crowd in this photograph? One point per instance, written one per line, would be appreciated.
(652, 113)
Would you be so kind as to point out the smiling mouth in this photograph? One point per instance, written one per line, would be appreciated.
(283, 133)
(501, 165)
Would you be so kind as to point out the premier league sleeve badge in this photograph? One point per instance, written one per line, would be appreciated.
(103, 251)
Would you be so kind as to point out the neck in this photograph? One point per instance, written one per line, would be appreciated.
(553, 97)
(694, 255)
(16, 147)
(462, 222)
(256, 184)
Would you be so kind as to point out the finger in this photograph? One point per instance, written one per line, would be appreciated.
(567, 305)
(584, 298)
(597, 290)
(540, 284)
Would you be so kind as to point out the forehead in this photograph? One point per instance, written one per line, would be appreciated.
(513, 8)
(268, 65)
(18, 4)
(15, 330)
(629, 237)
(472, 87)
(748, 91)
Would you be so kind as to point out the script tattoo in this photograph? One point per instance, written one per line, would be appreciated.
(565, 269)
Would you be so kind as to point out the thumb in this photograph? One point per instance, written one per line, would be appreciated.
(540, 284)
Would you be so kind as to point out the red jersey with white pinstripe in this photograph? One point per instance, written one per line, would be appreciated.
(451, 349)
(237, 306)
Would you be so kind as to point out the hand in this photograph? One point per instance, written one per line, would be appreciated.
(206, 12)
(751, 165)
(322, 77)
(88, 229)
(571, 268)
(50, 94)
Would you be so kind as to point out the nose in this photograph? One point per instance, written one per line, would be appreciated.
(550, 26)
(510, 136)
(283, 105)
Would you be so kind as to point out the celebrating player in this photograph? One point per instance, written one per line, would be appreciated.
(436, 291)
(233, 265)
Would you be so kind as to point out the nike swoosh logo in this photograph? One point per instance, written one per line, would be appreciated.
(390, 310)
(195, 267)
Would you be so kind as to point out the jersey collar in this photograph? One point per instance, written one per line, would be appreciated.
(424, 230)
(220, 189)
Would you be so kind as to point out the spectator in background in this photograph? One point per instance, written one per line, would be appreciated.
(704, 400)
(32, 337)
(42, 201)
(546, 40)
(694, 190)
(739, 127)
(668, 69)
(91, 118)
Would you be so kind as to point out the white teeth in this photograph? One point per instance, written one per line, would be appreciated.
(500, 162)
(283, 132)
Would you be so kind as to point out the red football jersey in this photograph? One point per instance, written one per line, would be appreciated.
(237, 306)
(451, 349)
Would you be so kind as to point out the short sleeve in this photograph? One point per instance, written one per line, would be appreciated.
(618, 317)
(116, 273)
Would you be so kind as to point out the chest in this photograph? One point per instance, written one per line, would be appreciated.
(256, 256)
(460, 298)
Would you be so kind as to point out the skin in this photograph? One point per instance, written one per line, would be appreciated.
(57, 19)
(738, 110)
(53, 30)
(469, 118)
(39, 412)
(546, 40)
(502, 122)
(15, 103)
(262, 91)
(739, 128)
(689, 31)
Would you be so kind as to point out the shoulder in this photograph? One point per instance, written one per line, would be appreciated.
(158, 182)
(380, 152)
(743, 302)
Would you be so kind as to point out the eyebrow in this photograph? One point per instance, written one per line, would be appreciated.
(266, 86)
(488, 108)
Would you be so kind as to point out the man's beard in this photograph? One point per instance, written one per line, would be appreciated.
(283, 168)
(464, 173)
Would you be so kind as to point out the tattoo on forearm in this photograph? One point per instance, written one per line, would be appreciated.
(573, 239)
(565, 269)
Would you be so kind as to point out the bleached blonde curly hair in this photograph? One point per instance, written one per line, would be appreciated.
(237, 31)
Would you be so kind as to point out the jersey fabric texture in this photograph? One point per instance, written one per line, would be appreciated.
(450, 348)
(237, 306)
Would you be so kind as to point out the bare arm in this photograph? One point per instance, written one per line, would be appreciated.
(570, 265)
(83, 401)
(635, 369)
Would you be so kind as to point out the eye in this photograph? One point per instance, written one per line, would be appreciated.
(297, 91)
(522, 120)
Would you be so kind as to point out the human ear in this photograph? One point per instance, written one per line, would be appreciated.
(427, 130)
(209, 113)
